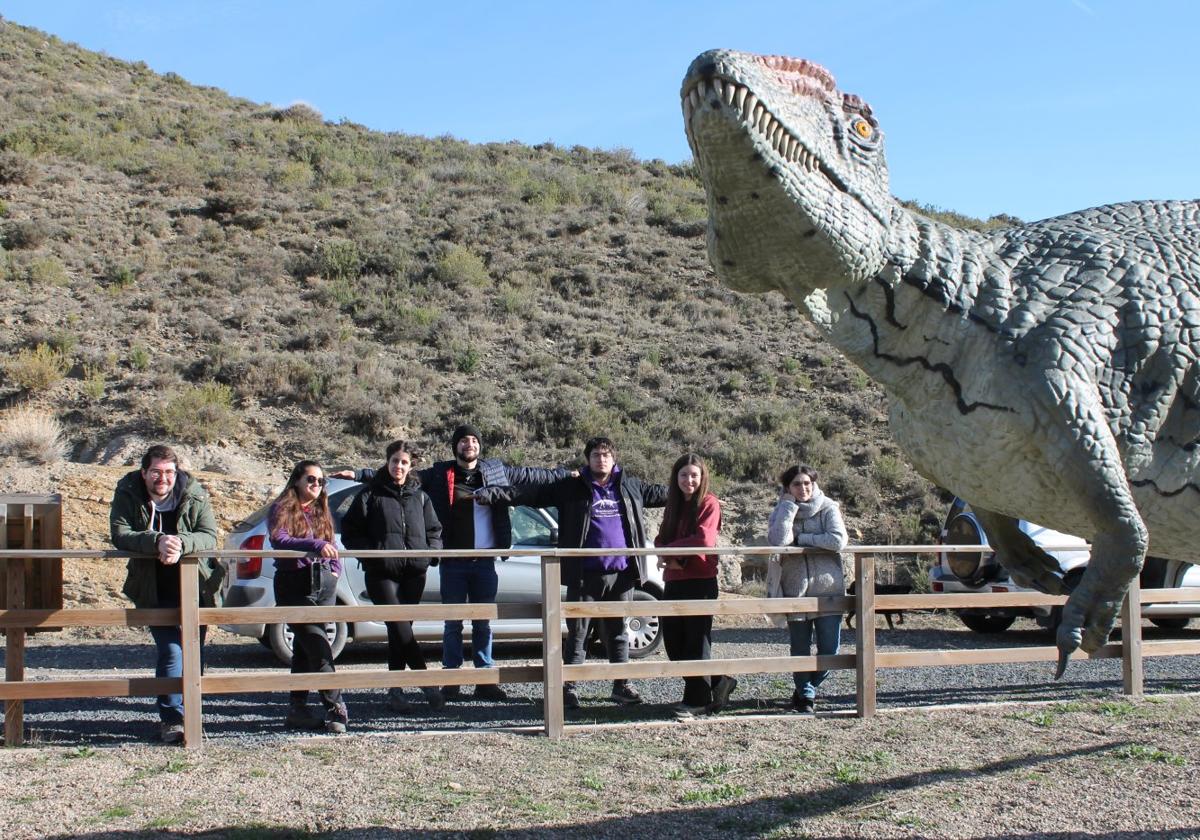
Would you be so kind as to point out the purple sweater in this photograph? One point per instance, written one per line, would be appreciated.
(280, 538)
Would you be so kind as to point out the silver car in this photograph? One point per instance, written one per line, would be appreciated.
(249, 582)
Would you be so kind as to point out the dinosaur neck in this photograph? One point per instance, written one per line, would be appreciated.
(899, 323)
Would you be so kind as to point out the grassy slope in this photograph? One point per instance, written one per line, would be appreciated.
(332, 287)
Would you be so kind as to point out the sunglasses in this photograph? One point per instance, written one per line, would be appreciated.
(310, 480)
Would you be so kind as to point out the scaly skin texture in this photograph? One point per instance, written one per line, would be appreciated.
(1045, 372)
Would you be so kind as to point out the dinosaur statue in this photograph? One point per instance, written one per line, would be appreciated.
(1046, 371)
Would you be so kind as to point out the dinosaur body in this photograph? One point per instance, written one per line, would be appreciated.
(1047, 371)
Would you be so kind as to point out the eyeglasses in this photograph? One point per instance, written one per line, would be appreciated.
(161, 473)
(311, 480)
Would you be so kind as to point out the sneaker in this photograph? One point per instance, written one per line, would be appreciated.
(721, 692)
(302, 717)
(682, 711)
(397, 702)
(336, 719)
(490, 692)
(172, 733)
(570, 698)
(803, 705)
(451, 692)
(433, 696)
(625, 694)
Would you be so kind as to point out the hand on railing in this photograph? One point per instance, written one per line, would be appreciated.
(169, 549)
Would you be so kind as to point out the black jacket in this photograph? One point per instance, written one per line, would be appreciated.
(435, 480)
(386, 516)
(573, 498)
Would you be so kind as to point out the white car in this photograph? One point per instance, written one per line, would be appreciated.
(966, 572)
(249, 582)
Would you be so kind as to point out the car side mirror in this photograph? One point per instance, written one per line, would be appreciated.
(554, 536)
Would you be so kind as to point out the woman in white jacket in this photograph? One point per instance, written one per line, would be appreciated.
(804, 516)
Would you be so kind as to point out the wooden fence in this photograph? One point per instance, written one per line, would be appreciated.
(551, 672)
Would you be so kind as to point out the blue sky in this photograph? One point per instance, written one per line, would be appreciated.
(1029, 107)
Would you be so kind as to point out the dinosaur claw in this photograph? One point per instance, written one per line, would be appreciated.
(1064, 656)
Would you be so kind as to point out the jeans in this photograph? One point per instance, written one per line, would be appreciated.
(617, 586)
(406, 588)
(829, 638)
(169, 663)
(468, 581)
(311, 653)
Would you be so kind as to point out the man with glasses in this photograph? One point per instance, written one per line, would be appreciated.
(161, 513)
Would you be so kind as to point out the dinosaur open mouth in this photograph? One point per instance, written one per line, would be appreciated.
(756, 117)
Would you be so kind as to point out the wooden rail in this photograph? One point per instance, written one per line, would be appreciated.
(866, 660)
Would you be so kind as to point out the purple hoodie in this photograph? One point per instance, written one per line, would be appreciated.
(280, 538)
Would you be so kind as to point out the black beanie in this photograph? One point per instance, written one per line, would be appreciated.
(461, 432)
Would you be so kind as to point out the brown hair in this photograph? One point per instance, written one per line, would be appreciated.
(288, 513)
(680, 511)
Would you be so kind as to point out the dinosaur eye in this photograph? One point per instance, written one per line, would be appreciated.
(862, 128)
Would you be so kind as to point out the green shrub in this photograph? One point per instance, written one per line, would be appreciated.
(459, 266)
(139, 357)
(47, 271)
(199, 413)
(38, 369)
(338, 259)
(119, 277)
(93, 383)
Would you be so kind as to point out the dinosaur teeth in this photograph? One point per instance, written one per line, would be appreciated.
(694, 98)
(730, 94)
(701, 88)
(718, 88)
(748, 108)
(740, 97)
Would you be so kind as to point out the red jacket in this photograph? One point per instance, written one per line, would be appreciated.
(708, 524)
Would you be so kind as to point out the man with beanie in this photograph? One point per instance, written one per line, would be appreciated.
(466, 524)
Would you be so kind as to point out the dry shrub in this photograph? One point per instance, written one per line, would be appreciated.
(33, 435)
(37, 369)
(200, 413)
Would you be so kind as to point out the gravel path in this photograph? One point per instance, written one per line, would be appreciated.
(256, 718)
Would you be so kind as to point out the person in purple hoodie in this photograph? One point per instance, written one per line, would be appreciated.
(600, 508)
(299, 520)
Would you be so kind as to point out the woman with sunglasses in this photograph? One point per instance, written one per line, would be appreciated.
(805, 516)
(299, 520)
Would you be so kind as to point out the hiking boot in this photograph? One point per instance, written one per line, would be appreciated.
(172, 733)
(570, 697)
(433, 696)
(721, 692)
(451, 692)
(397, 702)
(300, 716)
(625, 694)
(336, 720)
(803, 705)
(490, 692)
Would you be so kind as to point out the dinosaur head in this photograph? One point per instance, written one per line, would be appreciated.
(793, 169)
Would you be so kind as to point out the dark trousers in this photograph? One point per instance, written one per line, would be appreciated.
(404, 588)
(690, 636)
(311, 653)
(617, 586)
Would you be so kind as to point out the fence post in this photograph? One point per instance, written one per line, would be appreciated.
(552, 662)
(864, 633)
(189, 628)
(14, 650)
(1132, 673)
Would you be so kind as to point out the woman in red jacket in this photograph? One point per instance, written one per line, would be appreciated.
(692, 518)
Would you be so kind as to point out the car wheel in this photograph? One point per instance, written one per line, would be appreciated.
(645, 635)
(279, 639)
(1171, 622)
(987, 623)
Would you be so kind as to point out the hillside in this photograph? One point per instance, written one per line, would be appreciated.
(259, 285)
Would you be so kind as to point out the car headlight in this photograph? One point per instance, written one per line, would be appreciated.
(971, 567)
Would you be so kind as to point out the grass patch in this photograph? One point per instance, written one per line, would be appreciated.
(1140, 752)
(200, 413)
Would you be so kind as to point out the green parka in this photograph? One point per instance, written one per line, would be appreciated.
(129, 523)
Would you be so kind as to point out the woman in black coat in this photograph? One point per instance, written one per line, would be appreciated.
(392, 512)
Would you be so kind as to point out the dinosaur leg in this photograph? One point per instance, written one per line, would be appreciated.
(1028, 563)
(1087, 462)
